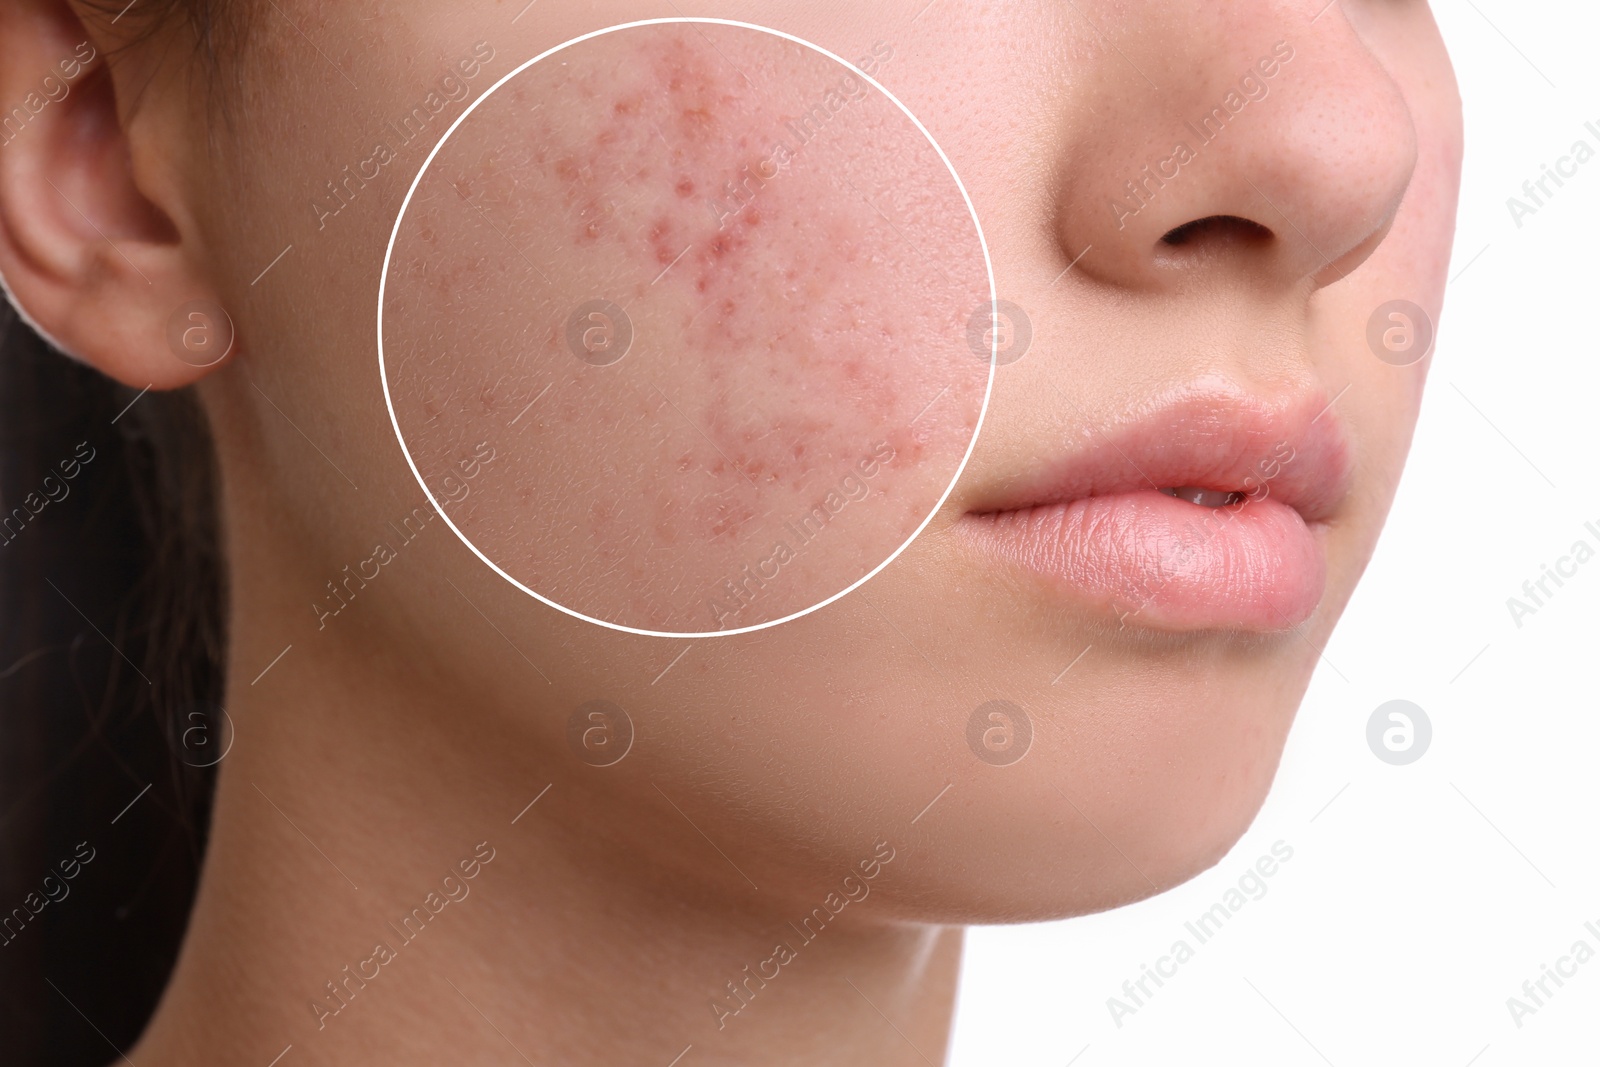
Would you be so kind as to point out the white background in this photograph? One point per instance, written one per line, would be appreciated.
(1421, 897)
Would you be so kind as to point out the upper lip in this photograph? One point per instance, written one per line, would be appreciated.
(1211, 434)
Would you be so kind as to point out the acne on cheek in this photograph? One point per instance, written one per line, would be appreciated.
(784, 351)
(783, 331)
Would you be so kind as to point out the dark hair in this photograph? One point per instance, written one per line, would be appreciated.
(112, 649)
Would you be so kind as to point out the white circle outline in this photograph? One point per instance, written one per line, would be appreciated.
(383, 283)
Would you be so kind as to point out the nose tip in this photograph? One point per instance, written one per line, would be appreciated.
(1288, 170)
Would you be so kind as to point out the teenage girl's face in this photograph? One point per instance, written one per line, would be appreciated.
(634, 348)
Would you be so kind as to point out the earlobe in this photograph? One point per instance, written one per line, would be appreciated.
(88, 252)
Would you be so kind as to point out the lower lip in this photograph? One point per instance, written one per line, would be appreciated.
(1163, 563)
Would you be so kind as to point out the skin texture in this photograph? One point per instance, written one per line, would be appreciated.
(425, 715)
(799, 390)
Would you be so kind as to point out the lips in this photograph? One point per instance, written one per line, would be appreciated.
(1208, 510)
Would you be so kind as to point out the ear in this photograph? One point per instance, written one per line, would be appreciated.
(96, 249)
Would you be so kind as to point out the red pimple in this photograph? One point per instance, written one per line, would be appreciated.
(685, 188)
(697, 120)
(723, 523)
(661, 243)
(726, 518)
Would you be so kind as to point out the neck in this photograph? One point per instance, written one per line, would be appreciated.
(389, 881)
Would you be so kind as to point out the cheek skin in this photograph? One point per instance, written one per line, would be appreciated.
(888, 735)
(798, 270)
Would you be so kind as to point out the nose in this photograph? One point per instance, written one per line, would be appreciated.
(1240, 139)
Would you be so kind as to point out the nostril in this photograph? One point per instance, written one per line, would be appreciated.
(1217, 230)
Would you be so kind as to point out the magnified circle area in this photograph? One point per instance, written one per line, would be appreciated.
(674, 327)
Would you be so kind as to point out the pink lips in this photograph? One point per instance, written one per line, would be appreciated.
(1096, 525)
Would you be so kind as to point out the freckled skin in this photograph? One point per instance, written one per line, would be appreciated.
(798, 268)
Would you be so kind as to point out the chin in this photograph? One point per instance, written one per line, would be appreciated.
(1118, 799)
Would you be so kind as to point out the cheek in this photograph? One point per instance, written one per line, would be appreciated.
(693, 287)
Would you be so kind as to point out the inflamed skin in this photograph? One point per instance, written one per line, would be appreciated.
(758, 217)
